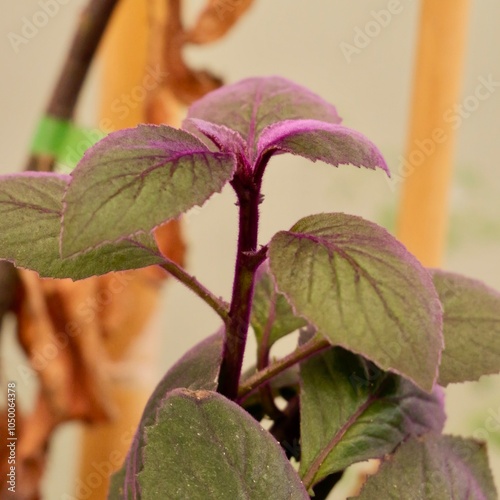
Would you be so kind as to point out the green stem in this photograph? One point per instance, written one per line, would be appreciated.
(217, 304)
(311, 347)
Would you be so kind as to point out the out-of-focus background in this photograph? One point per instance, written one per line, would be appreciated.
(318, 45)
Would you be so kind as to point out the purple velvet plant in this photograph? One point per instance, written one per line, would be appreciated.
(365, 380)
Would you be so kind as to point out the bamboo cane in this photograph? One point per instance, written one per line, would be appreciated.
(426, 173)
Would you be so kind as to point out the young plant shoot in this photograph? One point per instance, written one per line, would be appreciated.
(379, 334)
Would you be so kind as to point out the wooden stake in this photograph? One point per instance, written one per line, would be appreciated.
(426, 171)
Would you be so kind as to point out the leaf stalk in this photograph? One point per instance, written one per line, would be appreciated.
(314, 346)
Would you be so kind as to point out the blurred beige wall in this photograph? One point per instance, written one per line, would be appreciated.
(368, 77)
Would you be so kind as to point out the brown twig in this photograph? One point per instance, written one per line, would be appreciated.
(187, 84)
(34, 442)
(217, 304)
(62, 103)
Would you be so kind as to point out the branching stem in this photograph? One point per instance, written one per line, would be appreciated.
(311, 347)
(217, 304)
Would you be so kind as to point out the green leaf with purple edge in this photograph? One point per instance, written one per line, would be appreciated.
(352, 411)
(433, 467)
(315, 140)
(198, 369)
(30, 225)
(272, 316)
(249, 106)
(204, 446)
(136, 179)
(363, 291)
(471, 327)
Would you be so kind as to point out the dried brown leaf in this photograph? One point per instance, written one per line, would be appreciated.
(72, 332)
(166, 44)
(216, 19)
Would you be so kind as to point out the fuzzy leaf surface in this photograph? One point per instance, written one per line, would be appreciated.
(249, 106)
(216, 137)
(203, 446)
(198, 369)
(434, 467)
(361, 288)
(352, 411)
(30, 225)
(316, 140)
(272, 316)
(471, 327)
(136, 179)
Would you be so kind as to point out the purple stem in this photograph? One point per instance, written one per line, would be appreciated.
(247, 262)
(303, 352)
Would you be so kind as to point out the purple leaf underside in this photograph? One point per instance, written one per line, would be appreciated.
(251, 105)
(328, 142)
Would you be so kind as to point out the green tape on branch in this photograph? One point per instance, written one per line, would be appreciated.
(76, 141)
(64, 141)
(50, 136)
